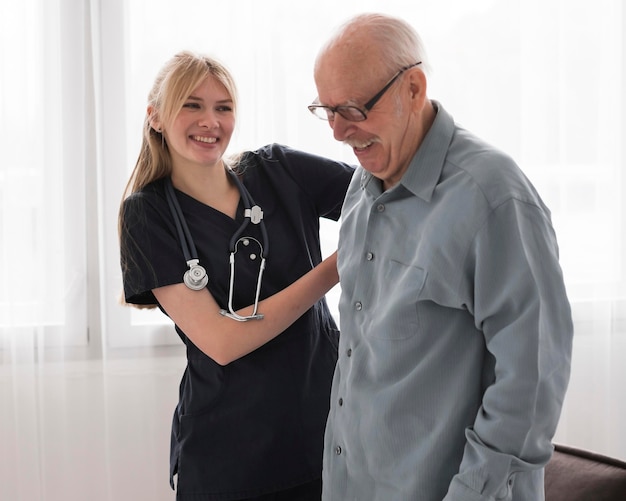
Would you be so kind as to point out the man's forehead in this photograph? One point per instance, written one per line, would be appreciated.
(356, 48)
(341, 79)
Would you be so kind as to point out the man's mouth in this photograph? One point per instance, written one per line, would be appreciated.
(359, 145)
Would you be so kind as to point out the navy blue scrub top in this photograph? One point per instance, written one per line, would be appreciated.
(257, 424)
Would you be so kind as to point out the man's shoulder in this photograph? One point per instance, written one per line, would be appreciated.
(488, 169)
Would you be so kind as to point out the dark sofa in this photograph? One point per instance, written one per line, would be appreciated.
(579, 475)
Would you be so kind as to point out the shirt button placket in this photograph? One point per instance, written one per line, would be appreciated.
(338, 449)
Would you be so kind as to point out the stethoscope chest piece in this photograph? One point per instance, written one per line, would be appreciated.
(195, 277)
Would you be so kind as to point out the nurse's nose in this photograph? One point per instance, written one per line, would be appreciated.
(209, 119)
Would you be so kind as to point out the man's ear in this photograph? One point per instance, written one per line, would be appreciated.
(418, 85)
(153, 119)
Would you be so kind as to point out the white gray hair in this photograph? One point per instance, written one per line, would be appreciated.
(396, 39)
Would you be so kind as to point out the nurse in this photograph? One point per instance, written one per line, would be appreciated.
(255, 392)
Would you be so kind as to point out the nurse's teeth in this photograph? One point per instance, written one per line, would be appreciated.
(205, 139)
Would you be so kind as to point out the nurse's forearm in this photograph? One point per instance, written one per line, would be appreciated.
(280, 310)
(223, 339)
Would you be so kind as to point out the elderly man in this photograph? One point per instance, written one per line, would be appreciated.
(456, 330)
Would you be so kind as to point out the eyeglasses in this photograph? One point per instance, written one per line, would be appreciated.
(354, 113)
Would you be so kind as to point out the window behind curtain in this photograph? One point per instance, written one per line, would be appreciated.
(541, 80)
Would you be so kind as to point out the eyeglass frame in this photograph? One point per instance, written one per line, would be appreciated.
(331, 111)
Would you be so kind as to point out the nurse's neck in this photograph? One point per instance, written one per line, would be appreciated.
(210, 185)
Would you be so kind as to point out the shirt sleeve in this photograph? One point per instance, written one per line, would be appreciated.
(520, 305)
(324, 180)
(150, 253)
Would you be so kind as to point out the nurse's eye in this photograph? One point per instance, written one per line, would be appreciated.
(224, 109)
(191, 105)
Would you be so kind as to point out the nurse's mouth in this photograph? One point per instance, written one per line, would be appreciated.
(204, 139)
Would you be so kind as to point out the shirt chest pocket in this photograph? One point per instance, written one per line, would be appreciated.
(395, 298)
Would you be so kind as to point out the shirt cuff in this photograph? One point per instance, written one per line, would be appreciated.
(458, 491)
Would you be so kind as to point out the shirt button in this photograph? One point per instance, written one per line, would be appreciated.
(349, 352)
(338, 450)
(369, 256)
(340, 402)
(358, 306)
(380, 207)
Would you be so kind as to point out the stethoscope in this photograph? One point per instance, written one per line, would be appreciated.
(196, 277)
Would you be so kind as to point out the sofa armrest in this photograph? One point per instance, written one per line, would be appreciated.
(578, 475)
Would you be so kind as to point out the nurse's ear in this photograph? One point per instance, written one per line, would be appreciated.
(153, 119)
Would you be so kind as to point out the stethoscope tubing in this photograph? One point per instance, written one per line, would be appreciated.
(184, 235)
(196, 278)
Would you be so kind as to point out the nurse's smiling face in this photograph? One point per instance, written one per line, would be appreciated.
(199, 135)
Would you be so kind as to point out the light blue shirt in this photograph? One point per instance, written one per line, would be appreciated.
(456, 331)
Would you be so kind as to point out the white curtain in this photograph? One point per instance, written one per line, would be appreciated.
(86, 386)
(45, 136)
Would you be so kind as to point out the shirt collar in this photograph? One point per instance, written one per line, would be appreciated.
(425, 168)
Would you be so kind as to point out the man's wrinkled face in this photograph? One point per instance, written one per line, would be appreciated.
(379, 142)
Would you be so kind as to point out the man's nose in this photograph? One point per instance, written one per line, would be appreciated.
(342, 128)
